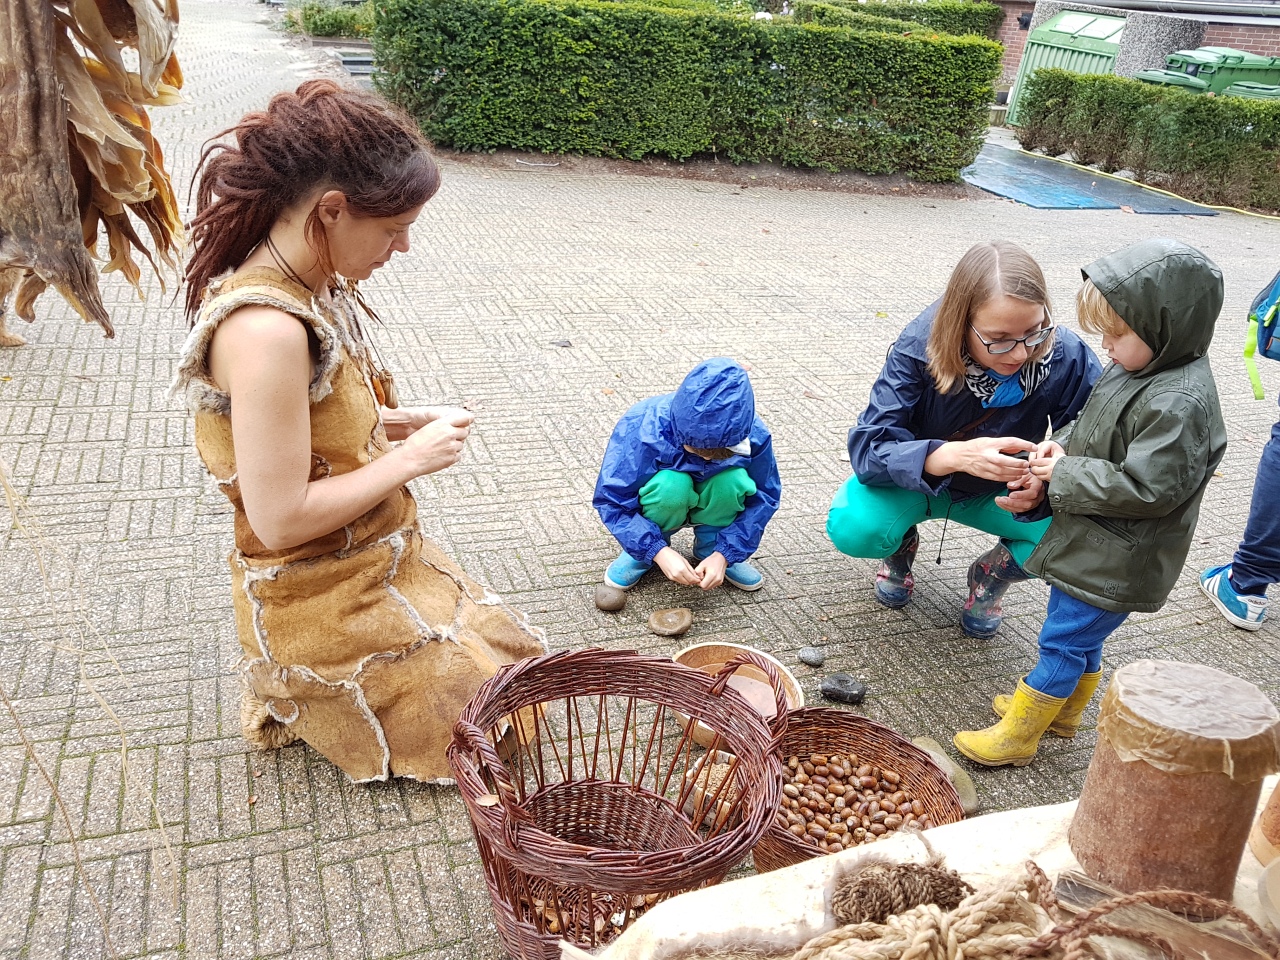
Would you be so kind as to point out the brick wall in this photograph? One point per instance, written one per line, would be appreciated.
(1250, 38)
(1012, 36)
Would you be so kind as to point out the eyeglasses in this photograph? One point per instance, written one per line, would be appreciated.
(998, 347)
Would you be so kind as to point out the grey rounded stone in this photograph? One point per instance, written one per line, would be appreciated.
(671, 622)
(812, 656)
(843, 688)
(610, 598)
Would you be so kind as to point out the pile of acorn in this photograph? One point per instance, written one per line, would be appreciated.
(835, 801)
(600, 918)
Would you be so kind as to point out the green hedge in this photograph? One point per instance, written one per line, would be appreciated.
(629, 80)
(827, 14)
(1219, 150)
(958, 17)
(323, 18)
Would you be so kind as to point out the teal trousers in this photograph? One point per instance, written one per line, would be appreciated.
(871, 521)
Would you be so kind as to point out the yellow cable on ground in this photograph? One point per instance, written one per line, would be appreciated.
(1144, 186)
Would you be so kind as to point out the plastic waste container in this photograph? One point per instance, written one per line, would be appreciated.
(1254, 91)
(1173, 78)
(1070, 40)
(1222, 66)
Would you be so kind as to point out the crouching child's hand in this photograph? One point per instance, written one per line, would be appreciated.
(677, 568)
(711, 570)
(1043, 459)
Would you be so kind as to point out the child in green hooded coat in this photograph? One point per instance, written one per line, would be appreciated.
(1123, 483)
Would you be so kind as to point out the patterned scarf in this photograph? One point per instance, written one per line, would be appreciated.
(994, 390)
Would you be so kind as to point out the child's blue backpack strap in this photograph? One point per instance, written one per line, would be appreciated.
(1263, 335)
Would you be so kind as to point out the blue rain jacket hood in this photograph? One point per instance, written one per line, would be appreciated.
(713, 407)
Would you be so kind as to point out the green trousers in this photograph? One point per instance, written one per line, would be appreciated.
(672, 499)
(871, 521)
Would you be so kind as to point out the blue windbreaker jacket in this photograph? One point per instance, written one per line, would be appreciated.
(907, 418)
(714, 407)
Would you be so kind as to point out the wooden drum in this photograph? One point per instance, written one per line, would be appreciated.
(1175, 778)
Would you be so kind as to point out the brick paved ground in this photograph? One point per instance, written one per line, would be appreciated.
(275, 855)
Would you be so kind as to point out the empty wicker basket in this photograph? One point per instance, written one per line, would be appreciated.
(824, 730)
(577, 779)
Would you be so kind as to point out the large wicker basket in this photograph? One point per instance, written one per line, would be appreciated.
(584, 792)
(824, 730)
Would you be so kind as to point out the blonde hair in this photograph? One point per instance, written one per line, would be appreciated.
(1097, 315)
(987, 270)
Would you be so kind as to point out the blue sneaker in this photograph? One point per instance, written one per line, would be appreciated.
(1245, 612)
(625, 572)
(744, 576)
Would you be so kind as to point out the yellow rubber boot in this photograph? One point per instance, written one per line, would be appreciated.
(1014, 739)
(1068, 720)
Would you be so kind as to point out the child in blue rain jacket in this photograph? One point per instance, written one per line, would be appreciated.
(698, 457)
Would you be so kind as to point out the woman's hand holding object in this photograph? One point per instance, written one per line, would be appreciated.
(438, 444)
(985, 457)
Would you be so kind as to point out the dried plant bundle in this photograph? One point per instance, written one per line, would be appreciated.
(80, 155)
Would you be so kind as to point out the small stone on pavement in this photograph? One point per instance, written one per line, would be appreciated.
(843, 688)
(812, 656)
(672, 622)
(610, 598)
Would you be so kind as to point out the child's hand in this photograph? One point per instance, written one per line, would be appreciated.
(677, 568)
(711, 570)
(1042, 461)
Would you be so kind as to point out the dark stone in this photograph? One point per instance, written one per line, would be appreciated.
(812, 656)
(843, 688)
(610, 598)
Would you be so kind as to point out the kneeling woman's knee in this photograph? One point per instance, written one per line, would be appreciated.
(855, 534)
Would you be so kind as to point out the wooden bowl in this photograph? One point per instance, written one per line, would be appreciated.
(749, 681)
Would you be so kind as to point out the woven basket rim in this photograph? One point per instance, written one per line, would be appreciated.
(781, 844)
(657, 680)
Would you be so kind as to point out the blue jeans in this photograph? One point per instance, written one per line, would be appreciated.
(1070, 643)
(1256, 564)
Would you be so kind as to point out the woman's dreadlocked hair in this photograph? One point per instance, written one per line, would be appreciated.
(324, 136)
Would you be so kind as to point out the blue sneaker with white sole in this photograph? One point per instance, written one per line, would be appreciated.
(1243, 610)
(744, 576)
(741, 574)
(625, 572)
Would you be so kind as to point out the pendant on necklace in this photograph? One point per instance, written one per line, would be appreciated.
(384, 389)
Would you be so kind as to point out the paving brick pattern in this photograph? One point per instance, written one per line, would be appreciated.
(126, 632)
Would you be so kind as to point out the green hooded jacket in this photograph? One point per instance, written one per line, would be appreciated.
(1126, 497)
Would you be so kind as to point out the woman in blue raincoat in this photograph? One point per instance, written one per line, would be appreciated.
(697, 457)
(979, 377)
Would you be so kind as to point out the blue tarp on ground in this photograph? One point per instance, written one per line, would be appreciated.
(1046, 184)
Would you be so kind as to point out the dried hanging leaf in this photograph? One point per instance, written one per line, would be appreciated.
(113, 162)
(39, 211)
(157, 34)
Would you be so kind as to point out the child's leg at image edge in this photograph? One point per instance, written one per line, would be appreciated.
(1256, 564)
